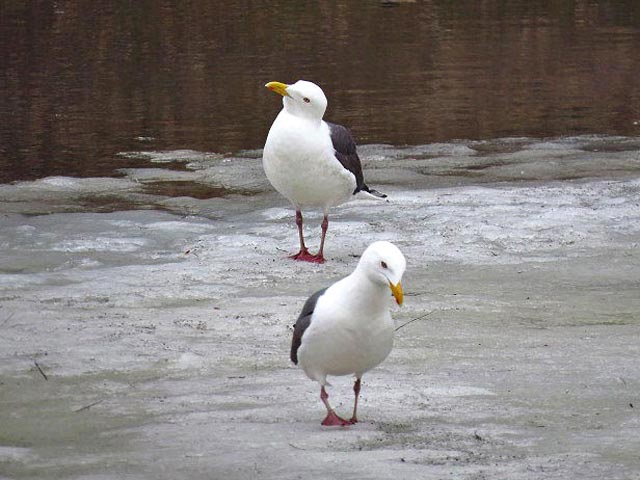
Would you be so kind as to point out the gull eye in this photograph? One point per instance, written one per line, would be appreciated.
(383, 264)
(306, 100)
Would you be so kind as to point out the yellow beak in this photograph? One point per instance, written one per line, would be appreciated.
(278, 87)
(396, 290)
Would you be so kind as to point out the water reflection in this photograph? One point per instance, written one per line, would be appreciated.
(81, 81)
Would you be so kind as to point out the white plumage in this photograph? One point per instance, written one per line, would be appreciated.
(299, 158)
(347, 328)
(310, 162)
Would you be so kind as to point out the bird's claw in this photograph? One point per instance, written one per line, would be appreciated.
(332, 420)
(305, 256)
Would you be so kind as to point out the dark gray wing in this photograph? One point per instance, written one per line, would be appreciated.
(345, 149)
(304, 320)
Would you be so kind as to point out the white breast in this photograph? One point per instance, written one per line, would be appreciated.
(343, 338)
(299, 162)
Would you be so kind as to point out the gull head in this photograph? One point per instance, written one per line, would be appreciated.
(384, 263)
(302, 99)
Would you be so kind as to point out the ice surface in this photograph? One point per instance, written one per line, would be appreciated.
(161, 320)
(172, 156)
(60, 188)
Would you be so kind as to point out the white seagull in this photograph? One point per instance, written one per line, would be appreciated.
(312, 163)
(347, 328)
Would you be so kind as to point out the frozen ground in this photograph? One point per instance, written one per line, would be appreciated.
(144, 320)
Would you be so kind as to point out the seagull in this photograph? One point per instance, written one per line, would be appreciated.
(347, 328)
(312, 163)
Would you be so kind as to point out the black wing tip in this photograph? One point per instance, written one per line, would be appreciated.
(373, 192)
(294, 350)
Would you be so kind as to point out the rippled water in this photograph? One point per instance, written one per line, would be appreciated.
(80, 82)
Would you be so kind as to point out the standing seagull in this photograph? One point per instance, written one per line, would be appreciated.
(347, 328)
(313, 163)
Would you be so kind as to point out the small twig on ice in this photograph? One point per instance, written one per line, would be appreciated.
(411, 321)
(44, 375)
(9, 317)
(87, 407)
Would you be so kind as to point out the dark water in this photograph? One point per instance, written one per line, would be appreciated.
(82, 81)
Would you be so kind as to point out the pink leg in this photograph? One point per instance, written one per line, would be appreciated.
(332, 419)
(303, 254)
(356, 390)
(319, 258)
